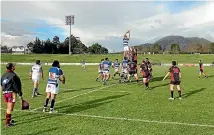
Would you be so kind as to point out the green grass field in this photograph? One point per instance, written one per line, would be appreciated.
(87, 107)
(181, 58)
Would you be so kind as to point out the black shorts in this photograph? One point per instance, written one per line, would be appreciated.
(151, 70)
(135, 61)
(132, 72)
(175, 82)
(201, 70)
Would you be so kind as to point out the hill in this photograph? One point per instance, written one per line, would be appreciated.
(184, 42)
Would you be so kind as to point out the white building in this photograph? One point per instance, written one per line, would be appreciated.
(19, 50)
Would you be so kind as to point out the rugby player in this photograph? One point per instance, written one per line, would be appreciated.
(145, 73)
(201, 69)
(106, 74)
(149, 67)
(126, 43)
(175, 74)
(116, 66)
(83, 65)
(11, 86)
(134, 55)
(100, 70)
(132, 69)
(52, 88)
(124, 69)
(35, 73)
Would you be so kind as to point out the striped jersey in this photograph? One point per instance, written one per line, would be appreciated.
(125, 63)
(100, 66)
(54, 74)
(125, 42)
(106, 65)
(116, 64)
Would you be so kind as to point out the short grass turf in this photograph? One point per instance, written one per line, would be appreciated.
(167, 58)
(129, 100)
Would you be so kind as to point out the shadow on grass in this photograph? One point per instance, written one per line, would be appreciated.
(42, 131)
(80, 89)
(185, 95)
(89, 105)
(161, 85)
(155, 79)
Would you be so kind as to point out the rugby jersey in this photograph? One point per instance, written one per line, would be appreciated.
(125, 42)
(54, 74)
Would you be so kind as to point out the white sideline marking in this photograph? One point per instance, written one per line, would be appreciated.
(122, 119)
(79, 95)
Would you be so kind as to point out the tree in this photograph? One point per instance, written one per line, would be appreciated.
(38, 47)
(30, 47)
(97, 49)
(199, 48)
(211, 48)
(55, 44)
(156, 48)
(175, 48)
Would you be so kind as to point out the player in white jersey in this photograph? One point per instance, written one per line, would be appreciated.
(52, 88)
(126, 44)
(83, 65)
(35, 74)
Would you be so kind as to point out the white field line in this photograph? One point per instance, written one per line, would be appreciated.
(124, 119)
(79, 95)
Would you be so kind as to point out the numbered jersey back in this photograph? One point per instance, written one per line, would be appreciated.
(54, 74)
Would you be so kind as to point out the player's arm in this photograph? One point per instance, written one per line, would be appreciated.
(17, 85)
(180, 75)
(129, 34)
(61, 76)
(41, 73)
(166, 76)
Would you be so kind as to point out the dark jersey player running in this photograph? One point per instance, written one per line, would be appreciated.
(175, 75)
(201, 69)
(145, 73)
(149, 66)
(132, 69)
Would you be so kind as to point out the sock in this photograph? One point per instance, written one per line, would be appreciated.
(114, 74)
(137, 80)
(52, 104)
(147, 84)
(46, 102)
(34, 90)
(119, 74)
(179, 93)
(172, 94)
(8, 118)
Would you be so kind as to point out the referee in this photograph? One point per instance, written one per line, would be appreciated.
(11, 86)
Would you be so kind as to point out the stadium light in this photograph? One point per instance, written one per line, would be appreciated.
(69, 20)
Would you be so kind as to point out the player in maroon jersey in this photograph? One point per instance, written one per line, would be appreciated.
(175, 75)
(201, 69)
(145, 73)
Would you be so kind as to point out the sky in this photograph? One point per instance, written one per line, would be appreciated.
(105, 22)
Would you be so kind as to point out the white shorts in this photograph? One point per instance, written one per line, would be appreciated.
(100, 71)
(125, 71)
(106, 72)
(52, 88)
(35, 80)
(116, 70)
(126, 48)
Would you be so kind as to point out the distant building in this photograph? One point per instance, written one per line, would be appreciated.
(19, 50)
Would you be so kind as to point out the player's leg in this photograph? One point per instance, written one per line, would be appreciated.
(98, 76)
(171, 91)
(10, 99)
(129, 75)
(179, 90)
(48, 91)
(136, 77)
(54, 92)
(200, 73)
(204, 75)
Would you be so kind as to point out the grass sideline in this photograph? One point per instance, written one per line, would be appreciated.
(134, 102)
(167, 58)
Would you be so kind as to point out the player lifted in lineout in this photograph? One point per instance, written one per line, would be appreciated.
(52, 88)
(100, 70)
(132, 69)
(35, 73)
(145, 73)
(116, 66)
(175, 75)
(126, 44)
(106, 73)
(201, 69)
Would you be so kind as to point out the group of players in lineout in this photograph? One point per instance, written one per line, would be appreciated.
(11, 83)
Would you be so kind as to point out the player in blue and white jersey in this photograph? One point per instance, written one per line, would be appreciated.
(100, 70)
(124, 70)
(106, 74)
(126, 44)
(52, 88)
(116, 66)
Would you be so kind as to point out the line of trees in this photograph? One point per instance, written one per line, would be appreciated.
(57, 47)
(175, 49)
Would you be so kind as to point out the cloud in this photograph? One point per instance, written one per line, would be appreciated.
(105, 22)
